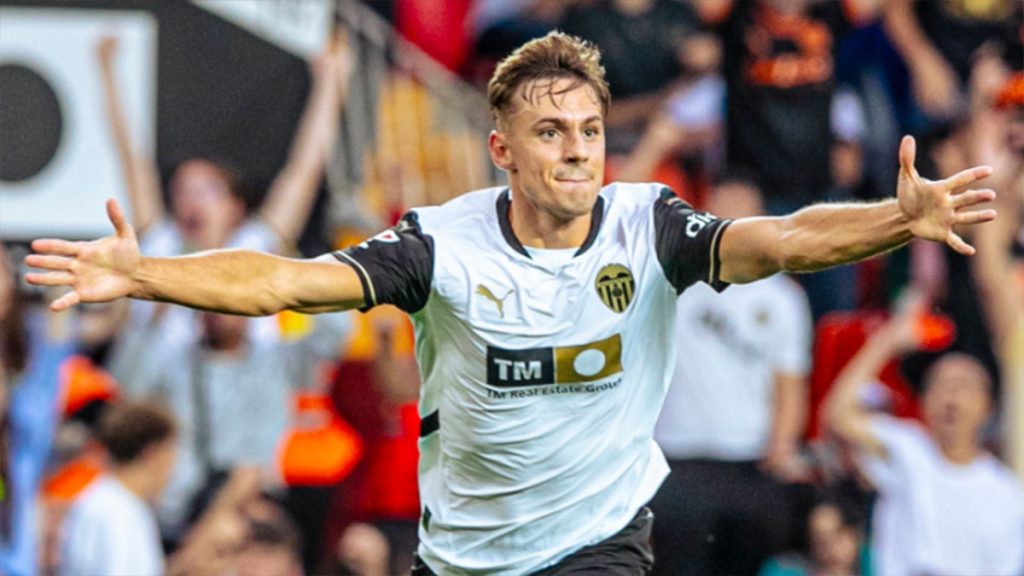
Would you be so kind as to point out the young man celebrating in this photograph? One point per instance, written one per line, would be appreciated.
(544, 315)
(946, 505)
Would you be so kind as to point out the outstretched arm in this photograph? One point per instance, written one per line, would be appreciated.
(139, 170)
(827, 235)
(229, 281)
(293, 191)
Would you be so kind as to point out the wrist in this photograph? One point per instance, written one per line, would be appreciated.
(139, 279)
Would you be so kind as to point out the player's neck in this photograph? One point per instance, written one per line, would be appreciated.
(538, 229)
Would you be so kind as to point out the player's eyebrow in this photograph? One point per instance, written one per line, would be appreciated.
(560, 122)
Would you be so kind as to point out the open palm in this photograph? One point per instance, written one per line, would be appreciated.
(97, 271)
(933, 208)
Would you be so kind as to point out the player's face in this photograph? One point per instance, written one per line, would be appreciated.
(205, 208)
(956, 399)
(552, 146)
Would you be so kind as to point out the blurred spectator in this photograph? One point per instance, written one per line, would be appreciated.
(274, 543)
(938, 42)
(32, 349)
(646, 48)
(207, 200)
(779, 59)
(376, 389)
(218, 388)
(837, 547)
(110, 529)
(733, 418)
(364, 551)
(997, 133)
(499, 27)
(946, 506)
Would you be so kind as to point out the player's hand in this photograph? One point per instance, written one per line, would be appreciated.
(97, 271)
(933, 208)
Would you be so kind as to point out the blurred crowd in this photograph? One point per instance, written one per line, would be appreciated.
(862, 420)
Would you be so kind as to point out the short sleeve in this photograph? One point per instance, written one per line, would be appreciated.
(395, 267)
(687, 242)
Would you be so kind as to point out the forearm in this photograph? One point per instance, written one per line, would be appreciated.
(292, 193)
(827, 235)
(906, 35)
(790, 412)
(845, 413)
(227, 281)
(138, 173)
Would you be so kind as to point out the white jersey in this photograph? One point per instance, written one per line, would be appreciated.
(731, 347)
(542, 378)
(934, 517)
(108, 530)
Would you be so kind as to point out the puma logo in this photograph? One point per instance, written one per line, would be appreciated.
(499, 302)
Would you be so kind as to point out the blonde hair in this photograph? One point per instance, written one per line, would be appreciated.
(553, 57)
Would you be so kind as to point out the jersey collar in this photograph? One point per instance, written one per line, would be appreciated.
(505, 201)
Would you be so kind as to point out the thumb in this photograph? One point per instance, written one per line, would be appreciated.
(908, 152)
(116, 215)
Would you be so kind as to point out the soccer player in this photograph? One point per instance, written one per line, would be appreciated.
(544, 315)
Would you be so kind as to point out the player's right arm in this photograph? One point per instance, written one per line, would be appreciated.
(227, 281)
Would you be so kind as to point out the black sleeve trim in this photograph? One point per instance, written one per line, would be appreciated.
(429, 424)
(395, 266)
(714, 274)
(369, 294)
(687, 243)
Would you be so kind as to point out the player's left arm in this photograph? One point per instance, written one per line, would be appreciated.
(825, 235)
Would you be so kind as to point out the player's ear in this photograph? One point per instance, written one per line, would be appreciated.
(501, 155)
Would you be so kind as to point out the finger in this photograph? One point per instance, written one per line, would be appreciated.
(974, 217)
(908, 151)
(965, 177)
(973, 197)
(66, 301)
(116, 215)
(957, 243)
(54, 246)
(48, 262)
(50, 278)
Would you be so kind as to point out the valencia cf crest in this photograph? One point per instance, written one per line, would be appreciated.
(615, 286)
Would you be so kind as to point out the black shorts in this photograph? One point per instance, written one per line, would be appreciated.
(625, 553)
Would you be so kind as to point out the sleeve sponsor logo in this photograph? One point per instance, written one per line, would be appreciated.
(696, 222)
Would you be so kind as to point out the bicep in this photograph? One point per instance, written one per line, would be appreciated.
(322, 284)
(751, 249)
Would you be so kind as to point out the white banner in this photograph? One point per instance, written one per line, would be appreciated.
(299, 26)
(56, 48)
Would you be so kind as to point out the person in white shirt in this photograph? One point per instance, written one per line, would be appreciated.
(206, 206)
(543, 313)
(110, 528)
(946, 506)
(733, 416)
